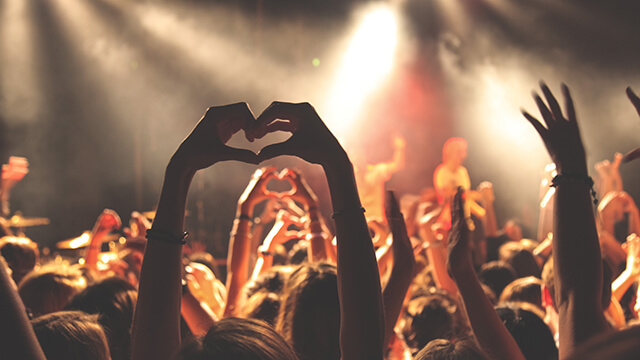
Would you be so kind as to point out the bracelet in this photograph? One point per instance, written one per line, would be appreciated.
(244, 217)
(346, 211)
(575, 178)
(153, 234)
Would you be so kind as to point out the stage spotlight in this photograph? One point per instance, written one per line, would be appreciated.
(366, 63)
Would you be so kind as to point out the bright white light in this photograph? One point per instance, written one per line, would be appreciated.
(82, 240)
(366, 63)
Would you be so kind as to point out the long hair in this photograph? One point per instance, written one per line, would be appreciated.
(310, 316)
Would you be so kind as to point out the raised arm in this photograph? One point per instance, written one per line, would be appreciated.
(303, 193)
(18, 341)
(107, 222)
(12, 173)
(156, 323)
(576, 252)
(362, 322)
(491, 333)
(404, 264)
(240, 242)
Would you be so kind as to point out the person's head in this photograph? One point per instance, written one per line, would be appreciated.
(298, 253)
(429, 317)
(273, 280)
(113, 300)
(521, 259)
(21, 255)
(239, 339)
(310, 312)
(533, 336)
(263, 306)
(50, 288)
(496, 275)
(528, 289)
(442, 349)
(71, 335)
(454, 151)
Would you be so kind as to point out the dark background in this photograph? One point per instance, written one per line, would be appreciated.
(98, 93)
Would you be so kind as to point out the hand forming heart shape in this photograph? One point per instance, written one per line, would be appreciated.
(311, 140)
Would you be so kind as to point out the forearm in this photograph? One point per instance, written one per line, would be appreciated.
(437, 255)
(487, 326)
(93, 250)
(18, 341)
(238, 265)
(399, 281)
(316, 250)
(362, 322)
(622, 284)
(489, 220)
(156, 323)
(197, 314)
(577, 267)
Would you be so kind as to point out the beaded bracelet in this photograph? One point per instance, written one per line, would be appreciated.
(153, 234)
(346, 211)
(575, 178)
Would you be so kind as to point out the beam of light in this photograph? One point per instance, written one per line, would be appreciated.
(368, 60)
(20, 99)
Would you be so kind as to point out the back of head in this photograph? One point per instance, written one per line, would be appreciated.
(496, 275)
(531, 333)
(310, 315)
(113, 299)
(526, 289)
(50, 288)
(441, 349)
(430, 317)
(239, 339)
(263, 306)
(521, 259)
(21, 255)
(71, 335)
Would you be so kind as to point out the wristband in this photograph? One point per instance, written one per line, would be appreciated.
(575, 178)
(346, 211)
(153, 234)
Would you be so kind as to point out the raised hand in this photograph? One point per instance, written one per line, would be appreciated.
(206, 144)
(311, 140)
(107, 222)
(459, 259)
(14, 171)
(301, 191)
(257, 191)
(403, 264)
(561, 135)
(578, 301)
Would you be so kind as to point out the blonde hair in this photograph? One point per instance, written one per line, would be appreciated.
(450, 145)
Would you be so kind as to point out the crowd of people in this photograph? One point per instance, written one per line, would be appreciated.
(428, 276)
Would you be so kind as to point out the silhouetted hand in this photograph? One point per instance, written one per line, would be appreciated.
(206, 144)
(311, 140)
(561, 135)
